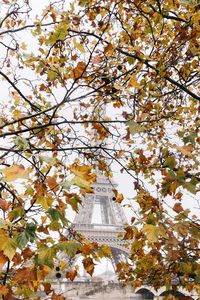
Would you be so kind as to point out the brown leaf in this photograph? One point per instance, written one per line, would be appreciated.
(52, 184)
(17, 259)
(88, 265)
(178, 207)
(109, 49)
(79, 70)
(25, 274)
(4, 205)
(71, 275)
(47, 287)
(4, 290)
(3, 260)
(129, 233)
(27, 253)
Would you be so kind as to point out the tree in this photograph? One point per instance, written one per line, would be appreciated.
(85, 85)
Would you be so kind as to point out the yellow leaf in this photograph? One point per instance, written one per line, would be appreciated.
(23, 46)
(8, 246)
(133, 82)
(82, 183)
(79, 46)
(44, 201)
(152, 232)
(14, 172)
(83, 177)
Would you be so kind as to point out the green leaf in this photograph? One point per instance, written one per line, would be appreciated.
(21, 143)
(59, 34)
(70, 247)
(170, 162)
(54, 213)
(16, 213)
(30, 231)
(22, 240)
(55, 226)
(28, 235)
(134, 127)
(46, 256)
(74, 202)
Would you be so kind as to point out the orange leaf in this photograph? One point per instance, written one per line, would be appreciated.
(79, 70)
(25, 274)
(133, 82)
(51, 182)
(71, 275)
(4, 290)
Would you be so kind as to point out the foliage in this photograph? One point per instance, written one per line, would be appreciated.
(85, 85)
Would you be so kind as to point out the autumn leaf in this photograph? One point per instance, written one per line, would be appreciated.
(177, 207)
(133, 82)
(109, 49)
(4, 290)
(71, 275)
(88, 265)
(79, 69)
(14, 172)
(51, 182)
(134, 127)
(185, 150)
(118, 197)
(83, 177)
(104, 251)
(4, 205)
(3, 260)
(153, 232)
(8, 246)
(129, 233)
(25, 274)
(57, 297)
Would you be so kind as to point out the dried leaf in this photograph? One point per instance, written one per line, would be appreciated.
(14, 172)
(133, 82)
(88, 265)
(71, 275)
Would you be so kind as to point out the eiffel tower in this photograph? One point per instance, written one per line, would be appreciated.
(101, 219)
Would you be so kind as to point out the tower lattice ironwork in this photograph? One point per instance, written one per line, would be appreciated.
(105, 226)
